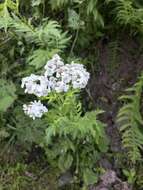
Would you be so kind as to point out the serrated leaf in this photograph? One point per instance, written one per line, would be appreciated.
(40, 56)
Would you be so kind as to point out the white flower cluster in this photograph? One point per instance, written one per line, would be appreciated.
(34, 84)
(63, 76)
(34, 109)
(58, 77)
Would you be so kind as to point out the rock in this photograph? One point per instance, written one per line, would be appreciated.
(65, 179)
(108, 178)
(122, 186)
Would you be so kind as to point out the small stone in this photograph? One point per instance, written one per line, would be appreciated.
(109, 178)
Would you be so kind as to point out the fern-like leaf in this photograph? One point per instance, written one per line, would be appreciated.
(131, 122)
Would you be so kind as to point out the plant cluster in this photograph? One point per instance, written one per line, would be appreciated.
(130, 120)
(33, 33)
(71, 141)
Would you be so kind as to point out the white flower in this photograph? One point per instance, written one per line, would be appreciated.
(61, 87)
(52, 65)
(52, 82)
(35, 109)
(79, 75)
(64, 74)
(35, 84)
(76, 65)
(66, 78)
(80, 79)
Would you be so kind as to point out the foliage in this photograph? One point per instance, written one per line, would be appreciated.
(130, 120)
(26, 42)
(72, 139)
(47, 38)
(31, 32)
(90, 7)
(128, 13)
(7, 94)
(25, 46)
(25, 130)
(20, 176)
(131, 175)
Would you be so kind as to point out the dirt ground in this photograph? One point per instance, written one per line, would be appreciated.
(107, 85)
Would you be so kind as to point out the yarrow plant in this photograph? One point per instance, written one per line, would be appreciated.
(58, 77)
(71, 138)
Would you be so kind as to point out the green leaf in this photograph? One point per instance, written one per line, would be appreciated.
(65, 162)
(74, 21)
(89, 177)
(91, 6)
(36, 2)
(7, 94)
(3, 134)
(40, 56)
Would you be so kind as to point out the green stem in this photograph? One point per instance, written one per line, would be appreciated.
(74, 42)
